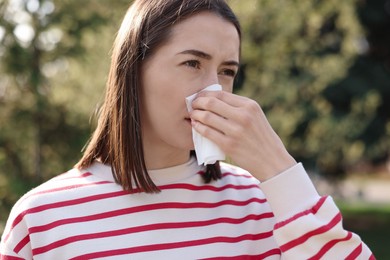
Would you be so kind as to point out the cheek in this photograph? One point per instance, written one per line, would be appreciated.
(152, 90)
(227, 88)
(158, 85)
(162, 100)
(165, 87)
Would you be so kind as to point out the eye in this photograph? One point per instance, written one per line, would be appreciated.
(228, 72)
(192, 63)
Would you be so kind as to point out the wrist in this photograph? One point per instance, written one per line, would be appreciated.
(274, 167)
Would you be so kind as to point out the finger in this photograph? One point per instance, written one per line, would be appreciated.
(227, 97)
(211, 133)
(214, 105)
(212, 120)
(244, 114)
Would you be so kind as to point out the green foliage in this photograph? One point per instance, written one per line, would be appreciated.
(44, 102)
(365, 91)
(295, 53)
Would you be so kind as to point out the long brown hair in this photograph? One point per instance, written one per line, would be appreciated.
(117, 139)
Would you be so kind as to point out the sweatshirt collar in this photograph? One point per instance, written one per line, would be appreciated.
(163, 176)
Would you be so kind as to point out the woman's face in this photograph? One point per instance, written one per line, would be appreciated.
(202, 50)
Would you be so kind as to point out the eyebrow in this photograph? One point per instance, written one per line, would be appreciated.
(207, 56)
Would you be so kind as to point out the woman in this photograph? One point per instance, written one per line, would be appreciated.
(138, 192)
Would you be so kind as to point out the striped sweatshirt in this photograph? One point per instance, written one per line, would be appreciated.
(86, 215)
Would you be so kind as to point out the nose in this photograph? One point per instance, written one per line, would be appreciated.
(211, 78)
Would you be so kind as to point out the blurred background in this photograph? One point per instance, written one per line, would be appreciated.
(320, 70)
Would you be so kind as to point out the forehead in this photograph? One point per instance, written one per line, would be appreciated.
(205, 30)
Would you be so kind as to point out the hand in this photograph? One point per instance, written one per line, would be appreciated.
(239, 127)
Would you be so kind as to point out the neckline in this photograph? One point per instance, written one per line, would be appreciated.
(162, 176)
(175, 173)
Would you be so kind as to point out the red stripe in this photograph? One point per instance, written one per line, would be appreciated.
(57, 179)
(121, 193)
(85, 174)
(60, 204)
(70, 175)
(313, 211)
(355, 253)
(329, 245)
(22, 243)
(185, 186)
(142, 208)
(145, 228)
(70, 187)
(67, 176)
(8, 257)
(358, 250)
(225, 174)
(166, 246)
(191, 187)
(275, 251)
(41, 208)
(305, 237)
(21, 215)
(237, 175)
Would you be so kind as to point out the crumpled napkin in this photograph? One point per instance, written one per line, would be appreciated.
(207, 152)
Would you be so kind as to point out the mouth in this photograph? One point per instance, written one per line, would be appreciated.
(188, 120)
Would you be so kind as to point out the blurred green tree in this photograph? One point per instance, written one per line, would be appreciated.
(298, 60)
(364, 93)
(42, 125)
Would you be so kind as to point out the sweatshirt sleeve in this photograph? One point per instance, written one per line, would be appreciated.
(15, 244)
(15, 240)
(309, 226)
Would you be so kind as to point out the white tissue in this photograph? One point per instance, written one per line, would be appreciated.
(206, 151)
